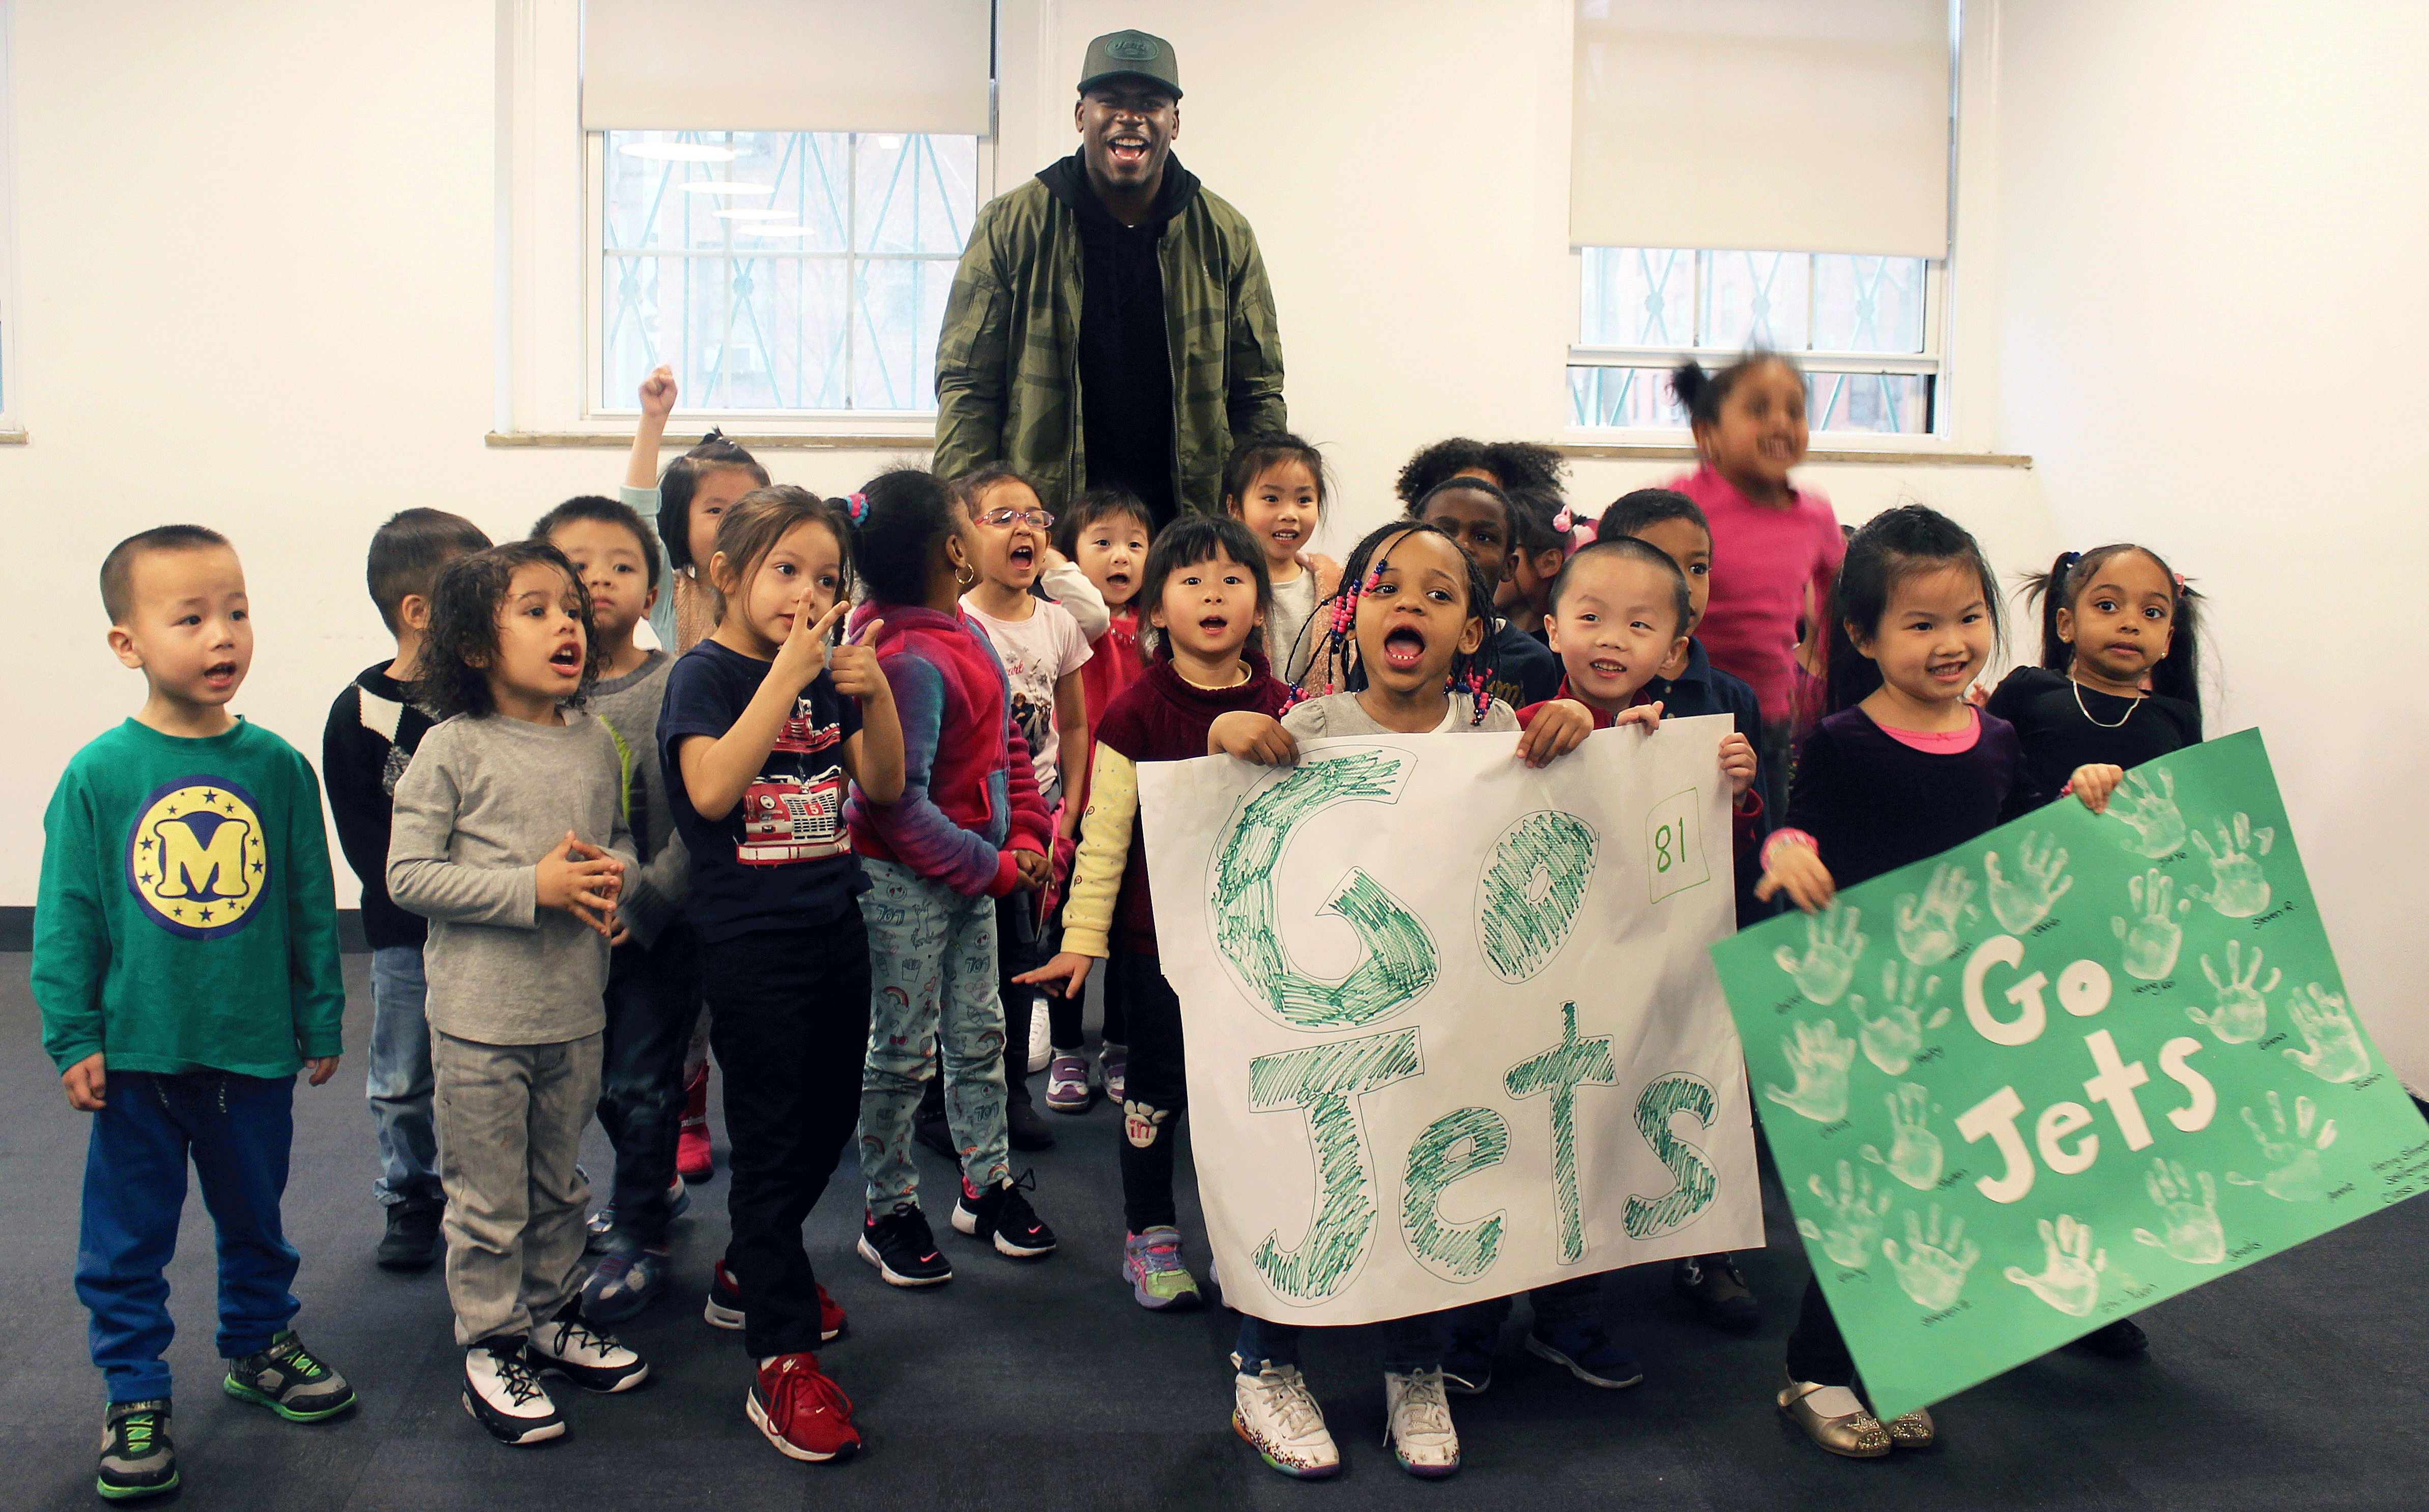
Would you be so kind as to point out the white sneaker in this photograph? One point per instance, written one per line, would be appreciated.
(502, 1395)
(594, 1361)
(1040, 1050)
(1273, 1411)
(1417, 1423)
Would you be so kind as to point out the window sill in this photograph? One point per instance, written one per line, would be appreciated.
(919, 439)
(1866, 456)
(13, 438)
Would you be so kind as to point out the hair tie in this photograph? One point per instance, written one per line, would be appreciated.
(2070, 558)
(716, 433)
(2180, 583)
(855, 508)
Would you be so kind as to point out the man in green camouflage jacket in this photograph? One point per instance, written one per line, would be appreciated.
(1111, 324)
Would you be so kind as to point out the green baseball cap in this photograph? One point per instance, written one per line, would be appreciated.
(1132, 53)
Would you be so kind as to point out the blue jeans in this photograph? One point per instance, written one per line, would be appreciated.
(653, 999)
(1408, 1343)
(399, 1079)
(236, 1130)
(932, 986)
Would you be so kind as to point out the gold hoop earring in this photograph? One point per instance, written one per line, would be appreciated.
(965, 576)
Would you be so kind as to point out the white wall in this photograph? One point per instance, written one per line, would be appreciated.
(258, 249)
(2213, 213)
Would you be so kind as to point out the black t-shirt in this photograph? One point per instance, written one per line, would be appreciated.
(1125, 354)
(783, 859)
(1524, 670)
(2060, 734)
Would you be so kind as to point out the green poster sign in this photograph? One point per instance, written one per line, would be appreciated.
(2051, 1076)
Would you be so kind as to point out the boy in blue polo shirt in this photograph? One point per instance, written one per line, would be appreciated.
(186, 965)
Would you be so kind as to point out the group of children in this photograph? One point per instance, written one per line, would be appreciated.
(874, 788)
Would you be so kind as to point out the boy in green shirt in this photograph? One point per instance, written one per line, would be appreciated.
(186, 964)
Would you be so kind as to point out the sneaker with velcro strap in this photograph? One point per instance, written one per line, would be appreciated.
(137, 1458)
(290, 1380)
(566, 1345)
(504, 1397)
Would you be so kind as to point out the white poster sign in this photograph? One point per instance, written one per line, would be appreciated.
(1453, 1027)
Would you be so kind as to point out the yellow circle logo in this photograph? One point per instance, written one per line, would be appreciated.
(196, 858)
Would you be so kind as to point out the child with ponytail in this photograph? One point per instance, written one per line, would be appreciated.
(1781, 544)
(968, 829)
(1903, 769)
(1410, 630)
(762, 724)
(2119, 678)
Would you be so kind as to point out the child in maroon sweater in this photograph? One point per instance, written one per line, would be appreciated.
(1206, 591)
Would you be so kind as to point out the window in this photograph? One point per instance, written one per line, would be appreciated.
(1865, 330)
(779, 272)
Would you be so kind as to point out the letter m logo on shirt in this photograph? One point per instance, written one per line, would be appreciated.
(196, 860)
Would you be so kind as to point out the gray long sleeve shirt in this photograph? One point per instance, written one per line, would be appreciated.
(484, 800)
(629, 706)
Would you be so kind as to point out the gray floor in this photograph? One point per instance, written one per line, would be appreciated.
(2301, 1382)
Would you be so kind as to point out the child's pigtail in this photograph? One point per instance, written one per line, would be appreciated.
(2178, 674)
(2055, 593)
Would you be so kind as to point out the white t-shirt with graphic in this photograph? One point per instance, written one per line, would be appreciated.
(1037, 653)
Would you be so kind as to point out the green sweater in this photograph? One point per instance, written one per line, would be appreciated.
(186, 918)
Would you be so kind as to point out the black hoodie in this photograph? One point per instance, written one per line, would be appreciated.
(1125, 353)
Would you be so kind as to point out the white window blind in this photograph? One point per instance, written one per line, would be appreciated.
(1803, 125)
(918, 66)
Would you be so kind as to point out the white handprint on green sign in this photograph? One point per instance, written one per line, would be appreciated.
(2041, 881)
(2069, 1273)
(2237, 890)
(2154, 937)
(1892, 1041)
(1855, 1217)
(2336, 1050)
(2193, 1233)
(2242, 1013)
(2293, 1154)
(1832, 947)
(1915, 1154)
(1927, 931)
(2151, 809)
(1931, 1269)
(1820, 1055)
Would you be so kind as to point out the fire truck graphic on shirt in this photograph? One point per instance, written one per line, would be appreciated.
(787, 818)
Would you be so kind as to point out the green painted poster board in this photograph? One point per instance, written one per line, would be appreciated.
(2056, 1074)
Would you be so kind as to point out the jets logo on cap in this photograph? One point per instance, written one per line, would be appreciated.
(1134, 49)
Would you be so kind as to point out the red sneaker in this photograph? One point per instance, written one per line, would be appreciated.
(830, 1317)
(805, 1415)
(692, 1160)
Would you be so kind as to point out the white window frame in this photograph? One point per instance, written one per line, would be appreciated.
(550, 253)
(600, 404)
(1962, 412)
(13, 426)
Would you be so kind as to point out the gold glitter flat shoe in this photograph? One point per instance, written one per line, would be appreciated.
(1913, 1431)
(1857, 1435)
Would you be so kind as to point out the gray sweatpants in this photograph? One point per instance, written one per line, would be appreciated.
(510, 1119)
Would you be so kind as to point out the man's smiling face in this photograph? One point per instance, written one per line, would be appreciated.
(1126, 126)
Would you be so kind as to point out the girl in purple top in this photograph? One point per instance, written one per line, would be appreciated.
(1902, 769)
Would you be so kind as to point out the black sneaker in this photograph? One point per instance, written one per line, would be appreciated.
(1025, 1129)
(1004, 1216)
(903, 1250)
(137, 1458)
(504, 1396)
(412, 1241)
(1711, 1282)
(290, 1380)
